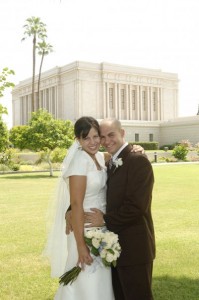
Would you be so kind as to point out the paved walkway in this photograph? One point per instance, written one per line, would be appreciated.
(174, 163)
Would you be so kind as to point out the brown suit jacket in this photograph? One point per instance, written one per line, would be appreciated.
(129, 196)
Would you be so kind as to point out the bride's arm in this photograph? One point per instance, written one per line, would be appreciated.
(107, 156)
(136, 148)
(77, 192)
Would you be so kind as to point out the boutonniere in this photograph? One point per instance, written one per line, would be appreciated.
(118, 162)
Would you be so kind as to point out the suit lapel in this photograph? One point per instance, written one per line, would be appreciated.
(123, 155)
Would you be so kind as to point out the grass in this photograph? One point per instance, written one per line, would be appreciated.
(23, 204)
(176, 219)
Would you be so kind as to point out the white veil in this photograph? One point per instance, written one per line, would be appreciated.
(56, 246)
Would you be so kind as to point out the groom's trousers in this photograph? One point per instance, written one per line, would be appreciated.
(133, 282)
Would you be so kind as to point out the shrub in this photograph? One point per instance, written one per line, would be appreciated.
(4, 168)
(15, 167)
(171, 159)
(26, 162)
(146, 145)
(160, 159)
(185, 143)
(9, 157)
(58, 155)
(197, 146)
(102, 149)
(169, 146)
(180, 152)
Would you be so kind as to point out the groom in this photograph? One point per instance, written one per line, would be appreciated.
(129, 195)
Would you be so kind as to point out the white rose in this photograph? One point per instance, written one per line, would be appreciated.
(98, 234)
(116, 247)
(103, 253)
(89, 234)
(107, 245)
(96, 242)
(116, 255)
(109, 257)
(111, 237)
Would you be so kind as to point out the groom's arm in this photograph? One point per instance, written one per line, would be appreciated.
(94, 218)
(68, 219)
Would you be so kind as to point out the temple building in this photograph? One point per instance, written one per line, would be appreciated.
(143, 99)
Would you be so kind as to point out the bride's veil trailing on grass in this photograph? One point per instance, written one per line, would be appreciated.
(56, 245)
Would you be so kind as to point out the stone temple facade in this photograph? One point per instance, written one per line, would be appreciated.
(142, 99)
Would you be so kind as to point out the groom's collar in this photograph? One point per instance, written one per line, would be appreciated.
(119, 151)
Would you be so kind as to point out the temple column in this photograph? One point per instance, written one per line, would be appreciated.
(56, 102)
(148, 103)
(158, 105)
(115, 100)
(104, 100)
(127, 102)
(176, 103)
(50, 99)
(130, 103)
(138, 102)
(107, 100)
(141, 103)
(119, 101)
(152, 105)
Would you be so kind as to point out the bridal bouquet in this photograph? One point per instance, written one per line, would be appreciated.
(103, 244)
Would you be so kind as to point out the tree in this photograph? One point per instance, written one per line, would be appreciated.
(4, 141)
(4, 83)
(17, 136)
(43, 50)
(3, 110)
(43, 133)
(36, 29)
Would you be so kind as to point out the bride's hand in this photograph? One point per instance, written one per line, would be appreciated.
(84, 257)
(138, 148)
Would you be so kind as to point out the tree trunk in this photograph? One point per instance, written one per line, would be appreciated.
(39, 79)
(50, 163)
(33, 74)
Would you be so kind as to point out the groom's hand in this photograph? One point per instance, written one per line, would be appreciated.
(68, 219)
(94, 218)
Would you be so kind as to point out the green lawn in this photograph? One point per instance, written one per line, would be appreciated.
(176, 219)
(24, 198)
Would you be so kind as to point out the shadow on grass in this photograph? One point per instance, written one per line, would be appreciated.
(29, 176)
(172, 288)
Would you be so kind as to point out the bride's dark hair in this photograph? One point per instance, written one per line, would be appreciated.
(83, 125)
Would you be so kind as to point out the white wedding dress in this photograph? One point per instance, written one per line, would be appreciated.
(90, 284)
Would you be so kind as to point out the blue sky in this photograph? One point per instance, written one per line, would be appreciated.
(158, 34)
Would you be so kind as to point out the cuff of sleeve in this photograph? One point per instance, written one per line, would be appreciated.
(104, 221)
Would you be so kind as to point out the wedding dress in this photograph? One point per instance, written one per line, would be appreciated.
(94, 283)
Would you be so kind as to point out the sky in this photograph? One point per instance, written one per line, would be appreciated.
(157, 34)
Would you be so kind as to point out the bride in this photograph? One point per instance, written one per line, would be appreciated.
(83, 186)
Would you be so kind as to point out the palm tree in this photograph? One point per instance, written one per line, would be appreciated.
(35, 28)
(43, 50)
